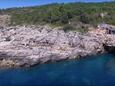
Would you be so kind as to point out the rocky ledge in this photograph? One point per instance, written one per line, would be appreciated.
(27, 46)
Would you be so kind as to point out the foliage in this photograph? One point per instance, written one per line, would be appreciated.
(62, 14)
(67, 28)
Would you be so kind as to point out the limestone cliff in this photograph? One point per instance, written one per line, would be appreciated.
(27, 46)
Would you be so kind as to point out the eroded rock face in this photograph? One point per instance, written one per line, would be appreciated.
(27, 46)
(110, 43)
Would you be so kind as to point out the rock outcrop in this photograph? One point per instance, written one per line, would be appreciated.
(4, 20)
(110, 43)
(27, 46)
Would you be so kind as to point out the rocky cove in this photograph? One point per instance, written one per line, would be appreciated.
(22, 46)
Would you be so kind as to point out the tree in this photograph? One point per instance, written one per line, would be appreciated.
(64, 19)
(84, 19)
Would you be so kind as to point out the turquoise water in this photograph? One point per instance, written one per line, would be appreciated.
(93, 71)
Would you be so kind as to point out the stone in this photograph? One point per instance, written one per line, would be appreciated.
(31, 45)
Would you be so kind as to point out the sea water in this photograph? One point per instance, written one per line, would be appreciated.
(91, 71)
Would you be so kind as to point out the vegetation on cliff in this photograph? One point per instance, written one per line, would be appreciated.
(64, 14)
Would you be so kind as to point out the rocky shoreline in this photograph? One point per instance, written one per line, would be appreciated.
(27, 46)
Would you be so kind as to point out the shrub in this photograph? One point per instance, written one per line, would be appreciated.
(67, 28)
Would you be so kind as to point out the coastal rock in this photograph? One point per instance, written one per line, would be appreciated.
(110, 43)
(27, 46)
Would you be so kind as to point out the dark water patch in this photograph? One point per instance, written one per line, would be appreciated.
(92, 71)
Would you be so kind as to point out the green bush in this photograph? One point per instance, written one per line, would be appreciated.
(67, 28)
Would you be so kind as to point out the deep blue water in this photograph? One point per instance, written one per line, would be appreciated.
(92, 71)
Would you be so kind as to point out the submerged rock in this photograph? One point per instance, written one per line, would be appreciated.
(27, 46)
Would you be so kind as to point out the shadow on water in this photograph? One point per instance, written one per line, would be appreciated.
(92, 71)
